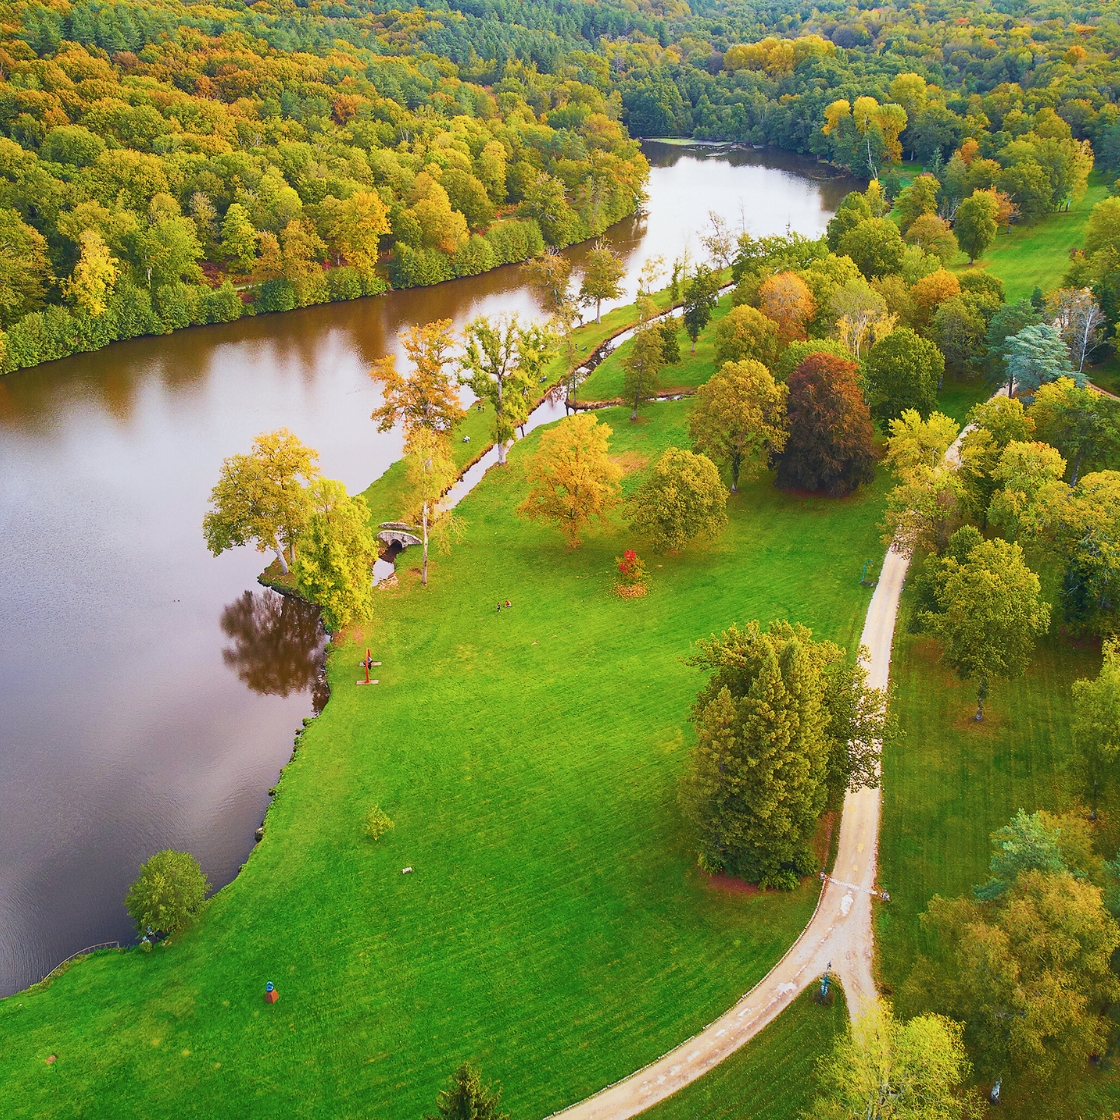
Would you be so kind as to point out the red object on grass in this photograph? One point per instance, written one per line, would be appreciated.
(271, 997)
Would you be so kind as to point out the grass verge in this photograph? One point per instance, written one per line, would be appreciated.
(771, 1078)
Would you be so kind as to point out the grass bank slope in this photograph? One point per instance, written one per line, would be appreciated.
(555, 929)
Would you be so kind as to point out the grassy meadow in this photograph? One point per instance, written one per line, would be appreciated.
(1038, 255)
(950, 782)
(555, 929)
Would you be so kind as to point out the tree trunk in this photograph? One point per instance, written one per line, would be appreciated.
(424, 516)
(1076, 468)
(598, 311)
(981, 693)
(279, 550)
(501, 453)
(735, 474)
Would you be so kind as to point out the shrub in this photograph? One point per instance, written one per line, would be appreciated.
(515, 240)
(683, 499)
(131, 308)
(418, 268)
(473, 258)
(372, 284)
(631, 567)
(221, 305)
(276, 295)
(377, 823)
(169, 892)
(177, 306)
(344, 283)
(311, 289)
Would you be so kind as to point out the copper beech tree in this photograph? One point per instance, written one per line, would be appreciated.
(830, 445)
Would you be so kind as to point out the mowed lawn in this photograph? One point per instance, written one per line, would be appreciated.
(1038, 255)
(554, 929)
(951, 782)
(773, 1076)
(605, 382)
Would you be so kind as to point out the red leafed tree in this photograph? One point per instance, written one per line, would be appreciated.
(830, 439)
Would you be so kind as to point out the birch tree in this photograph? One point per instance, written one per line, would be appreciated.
(501, 364)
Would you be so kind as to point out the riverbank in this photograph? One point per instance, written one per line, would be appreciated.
(529, 760)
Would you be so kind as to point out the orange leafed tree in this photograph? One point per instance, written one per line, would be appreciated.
(786, 299)
(427, 397)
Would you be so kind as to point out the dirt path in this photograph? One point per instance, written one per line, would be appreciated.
(839, 933)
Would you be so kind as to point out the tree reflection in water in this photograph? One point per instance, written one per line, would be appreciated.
(278, 645)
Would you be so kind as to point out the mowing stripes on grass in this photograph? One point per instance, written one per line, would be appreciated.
(556, 930)
(771, 1078)
(950, 782)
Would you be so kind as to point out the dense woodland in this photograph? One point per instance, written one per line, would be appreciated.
(171, 163)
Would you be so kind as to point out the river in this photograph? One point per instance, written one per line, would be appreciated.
(149, 692)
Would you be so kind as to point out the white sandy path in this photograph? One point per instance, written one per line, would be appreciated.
(839, 933)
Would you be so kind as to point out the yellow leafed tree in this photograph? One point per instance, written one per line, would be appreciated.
(573, 479)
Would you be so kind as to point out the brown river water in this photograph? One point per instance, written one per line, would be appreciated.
(149, 692)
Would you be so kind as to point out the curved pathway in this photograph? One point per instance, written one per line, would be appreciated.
(838, 935)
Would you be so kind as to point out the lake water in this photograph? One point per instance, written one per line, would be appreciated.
(149, 692)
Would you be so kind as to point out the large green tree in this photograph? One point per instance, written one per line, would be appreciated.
(468, 1098)
(701, 291)
(774, 728)
(683, 499)
(642, 366)
(1029, 973)
(501, 363)
(602, 272)
(991, 613)
(738, 419)
(1082, 423)
(875, 245)
(334, 566)
(975, 223)
(886, 1069)
(1036, 355)
(902, 371)
(168, 893)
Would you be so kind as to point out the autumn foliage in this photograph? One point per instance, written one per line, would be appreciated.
(830, 435)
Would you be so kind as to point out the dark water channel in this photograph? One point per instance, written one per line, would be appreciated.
(149, 692)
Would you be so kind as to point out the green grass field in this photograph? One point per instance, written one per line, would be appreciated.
(951, 782)
(1038, 255)
(772, 1077)
(605, 382)
(555, 929)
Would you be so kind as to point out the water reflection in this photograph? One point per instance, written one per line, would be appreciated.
(278, 645)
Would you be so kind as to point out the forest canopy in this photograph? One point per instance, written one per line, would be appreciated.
(170, 163)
